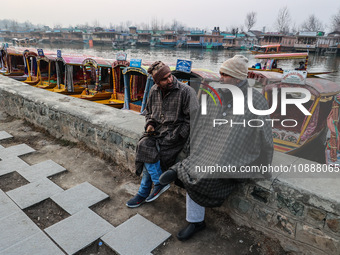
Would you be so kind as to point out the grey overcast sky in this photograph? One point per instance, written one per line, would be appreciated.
(198, 13)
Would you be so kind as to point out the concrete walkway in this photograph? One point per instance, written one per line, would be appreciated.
(83, 227)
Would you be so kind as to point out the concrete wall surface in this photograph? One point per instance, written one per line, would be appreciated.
(303, 213)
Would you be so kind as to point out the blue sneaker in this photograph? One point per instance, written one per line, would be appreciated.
(135, 201)
(156, 192)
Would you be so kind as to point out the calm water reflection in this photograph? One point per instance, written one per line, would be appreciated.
(210, 59)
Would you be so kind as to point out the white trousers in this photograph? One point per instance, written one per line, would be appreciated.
(195, 212)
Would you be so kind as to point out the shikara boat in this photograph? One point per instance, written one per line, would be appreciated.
(13, 57)
(332, 152)
(271, 63)
(117, 97)
(70, 74)
(100, 84)
(31, 66)
(3, 60)
(266, 49)
(299, 130)
(48, 71)
(136, 79)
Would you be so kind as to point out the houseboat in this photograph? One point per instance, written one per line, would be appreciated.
(143, 39)
(306, 41)
(199, 39)
(169, 39)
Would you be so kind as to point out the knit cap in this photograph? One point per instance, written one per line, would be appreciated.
(158, 70)
(236, 67)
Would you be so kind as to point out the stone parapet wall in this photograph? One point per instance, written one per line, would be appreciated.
(110, 131)
(304, 214)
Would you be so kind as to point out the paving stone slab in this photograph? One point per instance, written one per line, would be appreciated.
(79, 230)
(10, 165)
(15, 150)
(136, 236)
(7, 206)
(38, 244)
(79, 197)
(41, 170)
(4, 135)
(15, 228)
(34, 193)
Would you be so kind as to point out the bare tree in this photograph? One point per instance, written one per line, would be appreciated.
(128, 24)
(283, 20)
(154, 24)
(14, 25)
(144, 26)
(28, 25)
(234, 30)
(57, 26)
(95, 23)
(174, 25)
(312, 24)
(336, 21)
(294, 28)
(250, 20)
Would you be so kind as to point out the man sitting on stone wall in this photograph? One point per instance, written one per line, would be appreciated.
(167, 129)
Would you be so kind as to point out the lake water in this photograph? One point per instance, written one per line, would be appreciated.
(210, 59)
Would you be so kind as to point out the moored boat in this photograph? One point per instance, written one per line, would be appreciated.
(294, 131)
(117, 97)
(271, 63)
(71, 78)
(266, 49)
(47, 74)
(101, 82)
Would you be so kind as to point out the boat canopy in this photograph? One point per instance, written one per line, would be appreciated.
(141, 70)
(73, 59)
(48, 57)
(283, 56)
(15, 51)
(205, 74)
(120, 63)
(318, 87)
(271, 46)
(30, 52)
(98, 62)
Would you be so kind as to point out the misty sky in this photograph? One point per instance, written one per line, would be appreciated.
(204, 14)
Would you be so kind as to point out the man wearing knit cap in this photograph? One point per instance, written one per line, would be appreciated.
(167, 129)
(232, 146)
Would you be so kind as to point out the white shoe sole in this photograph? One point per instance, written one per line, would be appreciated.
(160, 193)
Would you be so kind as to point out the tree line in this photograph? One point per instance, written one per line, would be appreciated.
(283, 24)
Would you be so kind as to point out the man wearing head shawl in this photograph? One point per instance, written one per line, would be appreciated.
(167, 129)
(233, 144)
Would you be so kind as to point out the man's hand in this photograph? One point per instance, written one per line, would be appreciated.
(150, 129)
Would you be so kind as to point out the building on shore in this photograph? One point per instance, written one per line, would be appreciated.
(306, 41)
(200, 39)
(271, 38)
